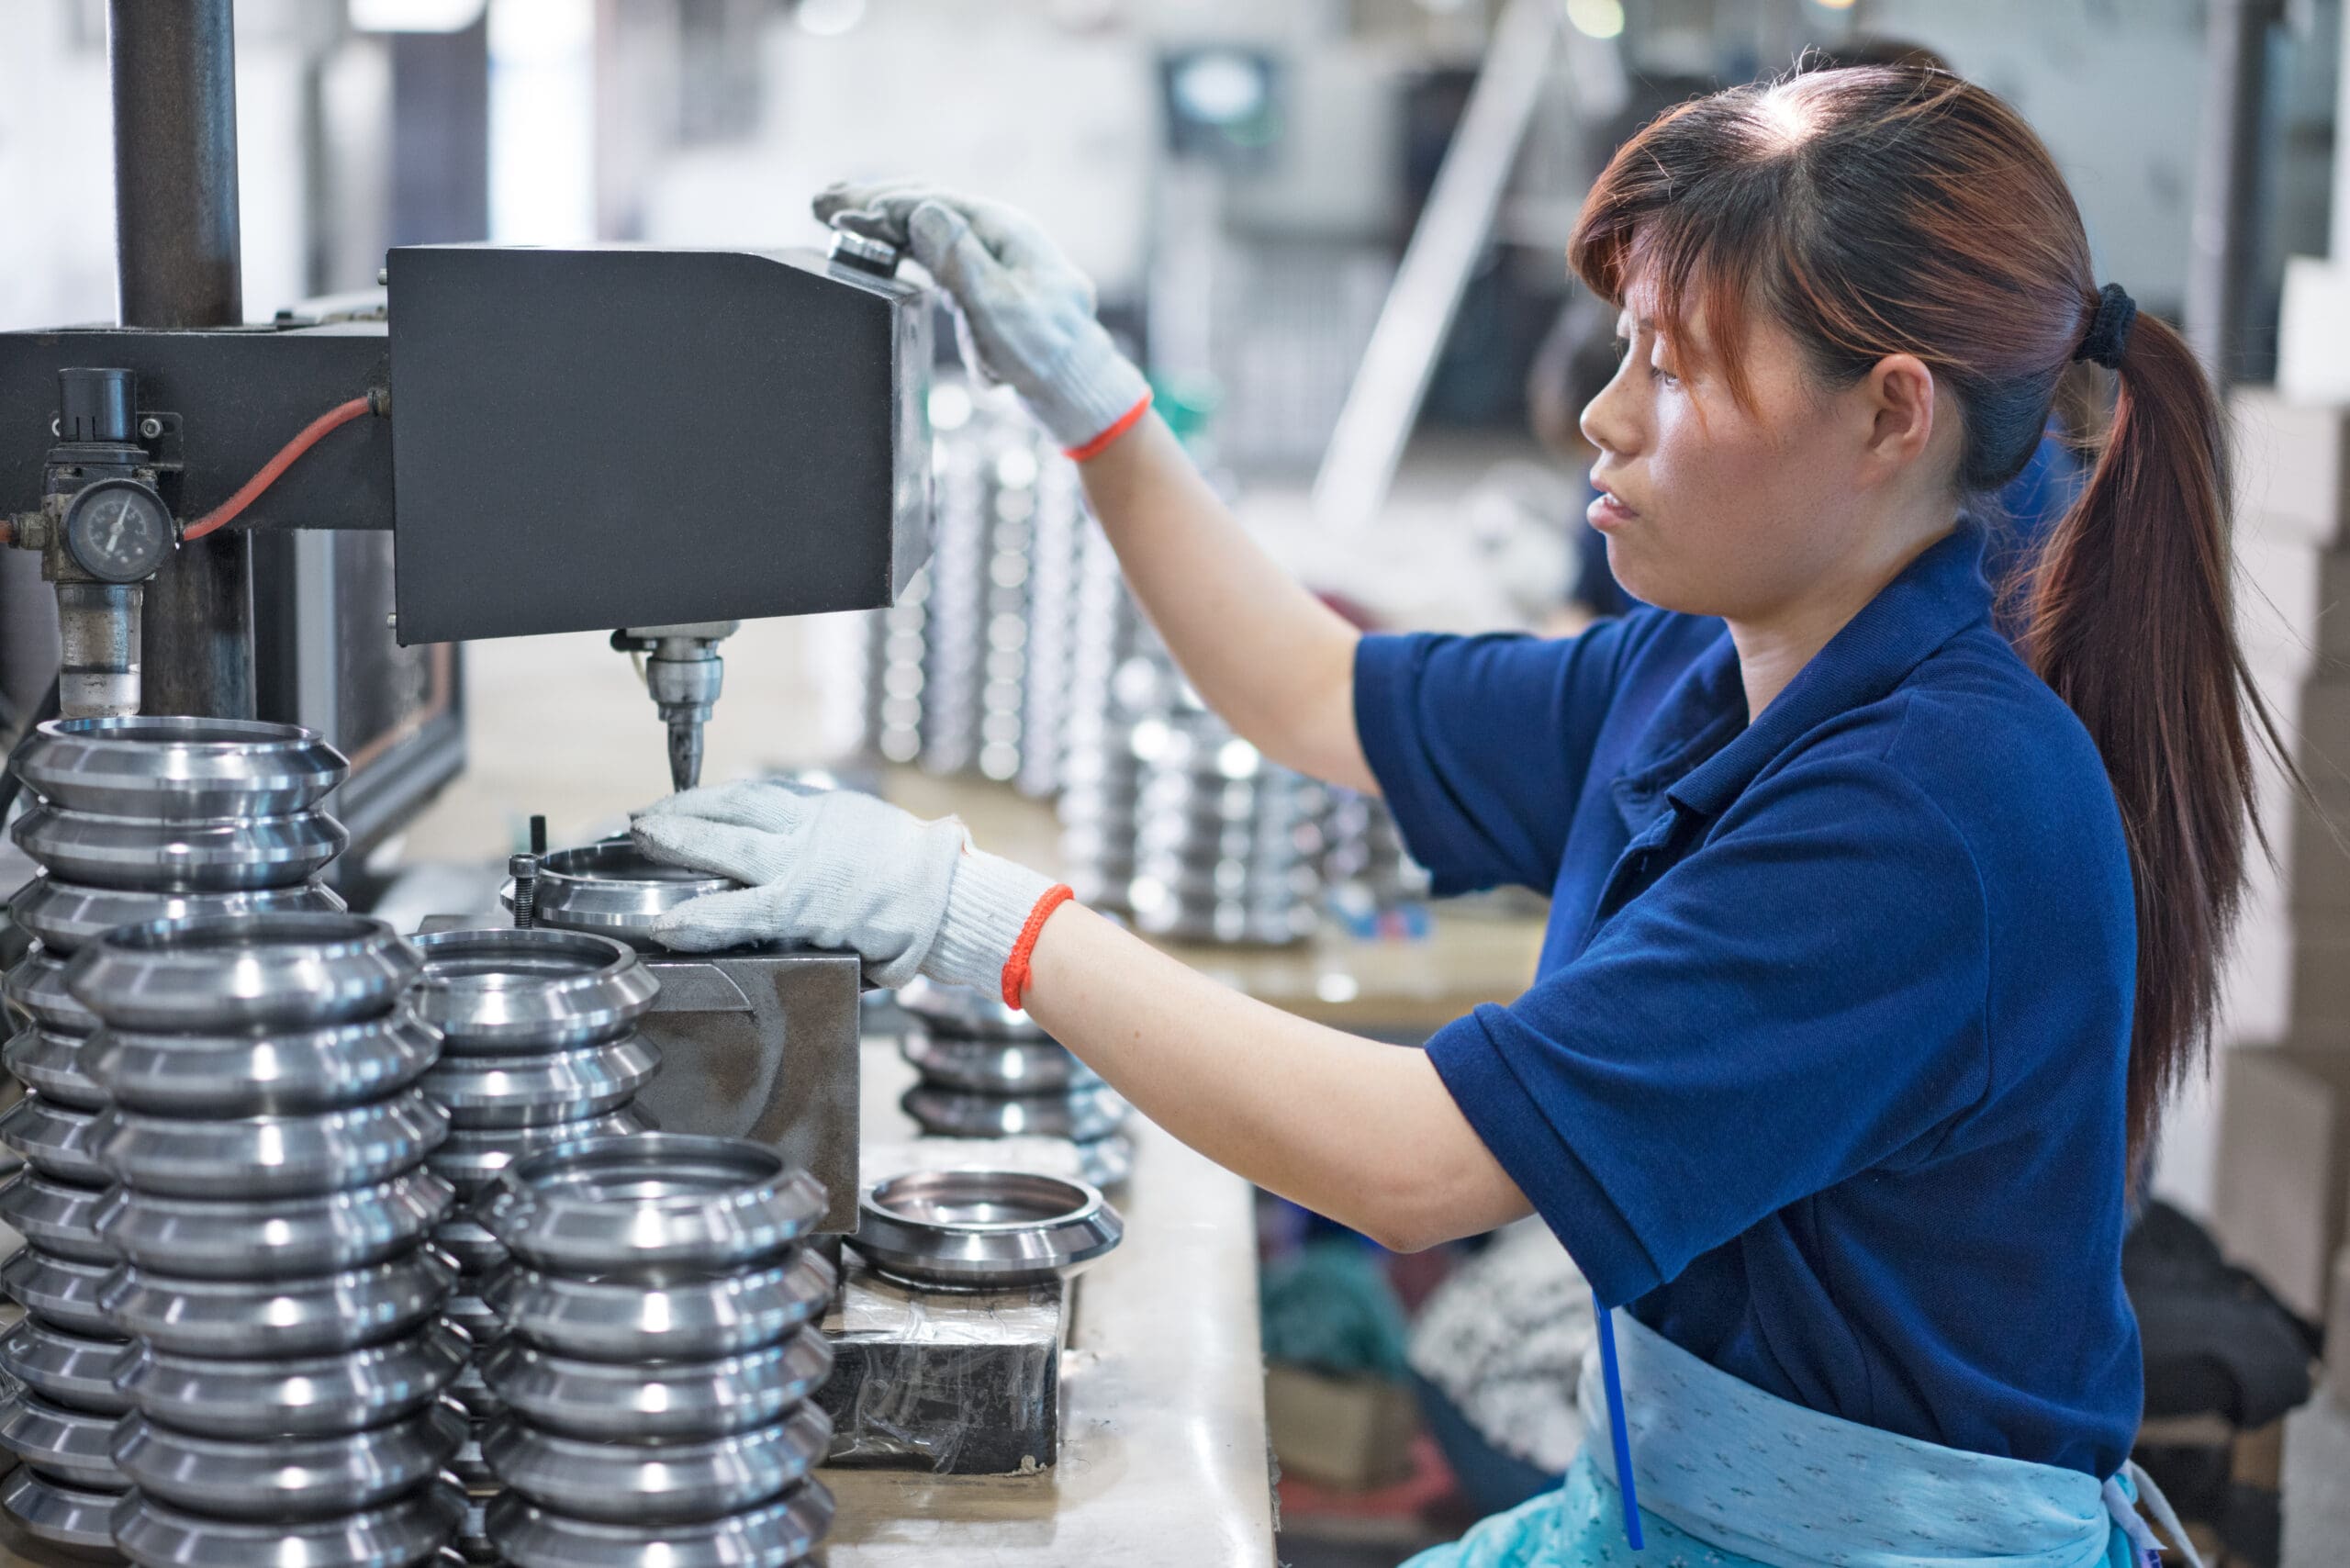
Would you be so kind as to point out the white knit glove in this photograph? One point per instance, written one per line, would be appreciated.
(1023, 314)
(838, 870)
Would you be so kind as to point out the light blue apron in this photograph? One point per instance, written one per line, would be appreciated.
(1731, 1477)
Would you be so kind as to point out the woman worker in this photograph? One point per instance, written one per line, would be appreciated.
(1874, 947)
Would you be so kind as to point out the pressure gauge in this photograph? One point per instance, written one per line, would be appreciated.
(119, 531)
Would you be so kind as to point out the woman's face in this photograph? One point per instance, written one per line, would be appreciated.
(1744, 511)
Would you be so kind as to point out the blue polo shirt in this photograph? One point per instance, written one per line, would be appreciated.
(1823, 1071)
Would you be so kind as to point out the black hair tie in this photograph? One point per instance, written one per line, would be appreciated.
(2109, 335)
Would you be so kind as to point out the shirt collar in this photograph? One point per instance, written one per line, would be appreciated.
(1937, 596)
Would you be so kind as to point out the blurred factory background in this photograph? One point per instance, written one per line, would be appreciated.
(1387, 402)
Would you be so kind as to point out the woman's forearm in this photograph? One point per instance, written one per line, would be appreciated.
(1277, 663)
(1362, 1132)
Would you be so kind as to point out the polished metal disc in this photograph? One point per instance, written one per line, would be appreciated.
(983, 1229)
(638, 1484)
(60, 1219)
(614, 889)
(253, 1239)
(774, 1535)
(473, 1250)
(300, 1315)
(225, 854)
(37, 984)
(1080, 1113)
(54, 1140)
(674, 1400)
(487, 1091)
(50, 1065)
(65, 1293)
(75, 1446)
(650, 1201)
(68, 917)
(505, 993)
(261, 1071)
(398, 1534)
(693, 1318)
(471, 1158)
(179, 768)
(57, 1514)
(233, 972)
(288, 1477)
(63, 1368)
(269, 1157)
(294, 1396)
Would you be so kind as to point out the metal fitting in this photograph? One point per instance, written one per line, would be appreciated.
(524, 869)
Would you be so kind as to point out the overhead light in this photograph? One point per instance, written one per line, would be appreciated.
(1596, 18)
(415, 15)
(829, 19)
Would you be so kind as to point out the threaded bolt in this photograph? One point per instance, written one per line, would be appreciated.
(524, 869)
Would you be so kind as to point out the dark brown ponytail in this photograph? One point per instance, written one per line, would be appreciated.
(1888, 210)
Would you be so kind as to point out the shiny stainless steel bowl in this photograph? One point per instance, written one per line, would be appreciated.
(983, 1229)
(261, 1071)
(63, 1368)
(638, 1483)
(294, 1396)
(506, 992)
(287, 1478)
(68, 917)
(60, 1290)
(301, 1316)
(61, 1220)
(964, 1011)
(994, 1067)
(682, 1319)
(485, 1093)
(646, 1402)
(650, 1201)
(228, 854)
(398, 1534)
(75, 1446)
(614, 889)
(471, 1158)
(57, 1514)
(1080, 1113)
(177, 769)
(773, 1535)
(50, 1065)
(248, 1239)
(288, 972)
(54, 1139)
(266, 1156)
(37, 984)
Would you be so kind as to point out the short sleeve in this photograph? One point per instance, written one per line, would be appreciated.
(1799, 999)
(1480, 745)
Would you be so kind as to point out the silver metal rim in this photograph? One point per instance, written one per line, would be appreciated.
(471, 1158)
(292, 971)
(246, 1240)
(275, 1073)
(620, 1403)
(300, 1316)
(68, 917)
(261, 1157)
(995, 1066)
(686, 1319)
(1080, 1114)
(38, 985)
(60, 1219)
(65, 1293)
(965, 1011)
(284, 1477)
(476, 1317)
(65, 1369)
(983, 1229)
(409, 1530)
(473, 1250)
(506, 992)
(614, 889)
(75, 1446)
(650, 1200)
(230, 855)
(54, 1139)
(167, 765)
(50, 1065)
(305, 1397)
(58, 1514)
(774, 1535)
(652, 1483)
(484, 1092)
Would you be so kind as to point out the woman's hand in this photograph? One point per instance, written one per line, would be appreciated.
(837, 869)
(1023, 314)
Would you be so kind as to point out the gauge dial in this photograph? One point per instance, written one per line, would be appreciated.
(119, 531)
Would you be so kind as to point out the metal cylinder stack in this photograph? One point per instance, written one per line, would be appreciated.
(1226, 844)
(660, 1356)
(136, 819)
(539, 1046)
(267, 1133)
(989, 1071)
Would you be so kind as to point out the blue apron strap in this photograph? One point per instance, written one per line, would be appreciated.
(1617, 1433)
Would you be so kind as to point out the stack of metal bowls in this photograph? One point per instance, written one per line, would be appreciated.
(1364, 864)
(268, 1133)
(660, 1356)
(989, 1071)
(137, 819)
(539, 1047)
(1057, 538)
(1225, 842)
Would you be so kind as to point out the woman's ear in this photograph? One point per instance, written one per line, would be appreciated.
(1897, 400)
